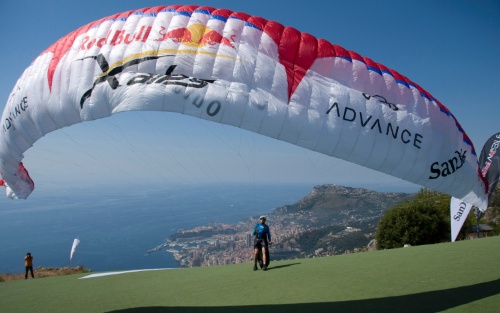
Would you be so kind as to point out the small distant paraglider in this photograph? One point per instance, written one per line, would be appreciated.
(76, 242)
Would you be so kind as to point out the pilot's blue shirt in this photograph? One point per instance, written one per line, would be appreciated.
(262, 230)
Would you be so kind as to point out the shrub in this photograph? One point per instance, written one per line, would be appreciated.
(422, 220)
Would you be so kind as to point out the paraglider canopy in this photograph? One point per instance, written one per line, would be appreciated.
(244, 71)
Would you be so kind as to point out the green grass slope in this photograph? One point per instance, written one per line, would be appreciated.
(453, 277)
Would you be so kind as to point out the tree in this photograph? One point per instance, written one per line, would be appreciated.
(492, 216)
(423, 220)
(495, 198)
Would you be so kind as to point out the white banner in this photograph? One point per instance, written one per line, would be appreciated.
(459, 210)
(76, 242)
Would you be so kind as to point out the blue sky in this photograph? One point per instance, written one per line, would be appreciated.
(450, 48)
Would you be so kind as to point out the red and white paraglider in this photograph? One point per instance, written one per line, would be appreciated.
(248, 72)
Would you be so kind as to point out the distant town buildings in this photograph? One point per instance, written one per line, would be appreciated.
(219, 244)
(330, 220)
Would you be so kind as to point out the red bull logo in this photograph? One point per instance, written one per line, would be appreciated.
(116, 37)
(195, 36)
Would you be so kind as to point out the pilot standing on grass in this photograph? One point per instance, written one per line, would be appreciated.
(28, 263)
(262, 239)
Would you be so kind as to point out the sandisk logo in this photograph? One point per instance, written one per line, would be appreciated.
(449, 167)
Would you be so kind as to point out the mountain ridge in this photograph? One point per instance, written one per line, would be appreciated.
(330, 220)
(329, 197)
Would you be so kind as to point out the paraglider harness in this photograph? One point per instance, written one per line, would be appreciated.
(258, 240)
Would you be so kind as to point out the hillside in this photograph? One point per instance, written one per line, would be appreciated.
(330, 198)
(330, 220)
(341, 220)
(452, 277)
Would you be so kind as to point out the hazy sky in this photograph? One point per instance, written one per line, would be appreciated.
(450, 48)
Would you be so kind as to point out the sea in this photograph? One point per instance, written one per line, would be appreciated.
(117, 226)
